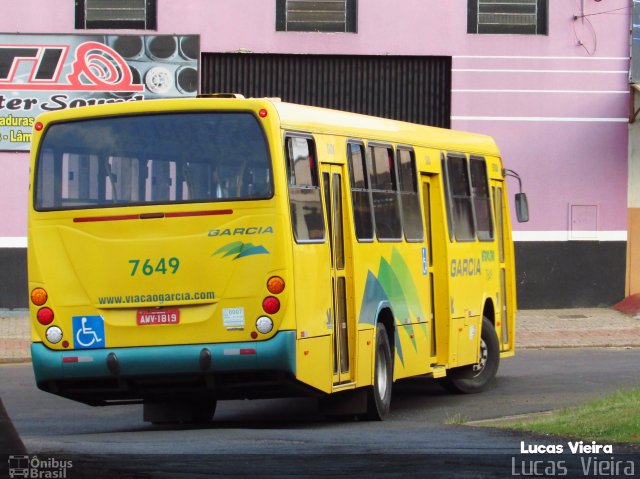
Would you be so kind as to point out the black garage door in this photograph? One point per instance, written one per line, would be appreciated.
(415, 89)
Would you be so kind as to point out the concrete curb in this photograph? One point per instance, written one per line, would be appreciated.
(527, 417)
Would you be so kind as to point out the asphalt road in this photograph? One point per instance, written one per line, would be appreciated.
(288, 437)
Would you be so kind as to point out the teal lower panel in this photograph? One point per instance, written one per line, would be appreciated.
(275, 354)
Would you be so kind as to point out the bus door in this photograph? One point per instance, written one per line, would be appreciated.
(433, 238)
(427, 260)
(343, 330)
(499, 211)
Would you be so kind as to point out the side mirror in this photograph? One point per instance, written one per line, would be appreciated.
(522, 207)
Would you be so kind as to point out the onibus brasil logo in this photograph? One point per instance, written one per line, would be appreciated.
(35, 467)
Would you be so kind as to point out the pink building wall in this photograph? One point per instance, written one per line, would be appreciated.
(557, 108)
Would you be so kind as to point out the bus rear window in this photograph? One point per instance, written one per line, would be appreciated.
(152, 159)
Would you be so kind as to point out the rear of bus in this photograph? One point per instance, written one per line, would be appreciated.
(157, 253)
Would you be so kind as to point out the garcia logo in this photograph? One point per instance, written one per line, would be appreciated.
(466, 267)
(240, 250)
(251, 230)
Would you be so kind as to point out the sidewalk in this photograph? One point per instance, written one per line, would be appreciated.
(544, 328)
(15, 336)
(575, 328)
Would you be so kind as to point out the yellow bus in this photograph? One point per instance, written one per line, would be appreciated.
(187, 251)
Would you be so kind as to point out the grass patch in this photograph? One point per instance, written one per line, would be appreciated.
(612, 419)
(457, 418)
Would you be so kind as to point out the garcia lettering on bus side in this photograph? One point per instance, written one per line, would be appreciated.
(466, 267)
(251, 230)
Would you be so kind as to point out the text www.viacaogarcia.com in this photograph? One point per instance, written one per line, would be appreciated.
(156, 298)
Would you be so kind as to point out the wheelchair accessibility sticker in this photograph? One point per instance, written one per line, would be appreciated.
(88, 332)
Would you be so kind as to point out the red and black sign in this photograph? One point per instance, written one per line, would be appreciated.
(51, 72)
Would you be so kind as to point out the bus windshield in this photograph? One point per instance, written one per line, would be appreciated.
(152, 159)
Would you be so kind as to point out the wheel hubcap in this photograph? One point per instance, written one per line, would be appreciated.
(484, 354)
(382, 374)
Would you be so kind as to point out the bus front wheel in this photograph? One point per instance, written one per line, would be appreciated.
(475, 378)
(379, 395)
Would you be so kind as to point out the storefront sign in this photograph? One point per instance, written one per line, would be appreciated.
(41, 73)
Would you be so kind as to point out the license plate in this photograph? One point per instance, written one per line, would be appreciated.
(158, 316)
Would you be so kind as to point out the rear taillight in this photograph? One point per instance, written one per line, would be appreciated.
(275, 285)
(264, 324)
(54, 334)
(271, 305)
(39, 296)
(45, 316)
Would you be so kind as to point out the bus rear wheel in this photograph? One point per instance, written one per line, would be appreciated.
(379, 395)
(475, 378)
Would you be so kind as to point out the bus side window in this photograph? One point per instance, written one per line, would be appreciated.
(410, 203)
(384, 189)
(459, 194)
(360, 191)
(304, 191)
(481, 199)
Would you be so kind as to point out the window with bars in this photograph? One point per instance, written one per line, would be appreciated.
(305, 200)
(526, 17)
(384, 192)
(316, 15)
(459, 199)
(467, 197)
(119, 14)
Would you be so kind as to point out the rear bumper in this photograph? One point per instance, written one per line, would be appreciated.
(97, 376)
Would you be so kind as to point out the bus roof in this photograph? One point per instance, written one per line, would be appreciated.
(304, 118)
(322, 120)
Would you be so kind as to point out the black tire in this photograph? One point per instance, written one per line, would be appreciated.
(202, 412)
(475, 378)
(379, 395)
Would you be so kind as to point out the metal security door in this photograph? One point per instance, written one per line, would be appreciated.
(408, 88)
(342, 335)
